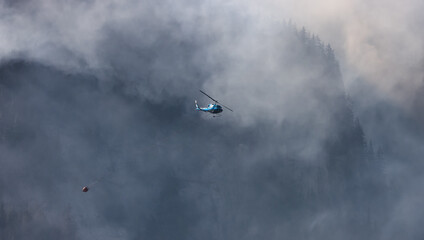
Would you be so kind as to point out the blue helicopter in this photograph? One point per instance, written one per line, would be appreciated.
(211, 108)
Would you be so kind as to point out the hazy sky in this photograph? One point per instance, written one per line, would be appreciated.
(380, 42)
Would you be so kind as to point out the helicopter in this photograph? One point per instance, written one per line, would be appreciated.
(212, 108)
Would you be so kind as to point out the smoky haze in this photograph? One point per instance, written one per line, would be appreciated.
(102, 94)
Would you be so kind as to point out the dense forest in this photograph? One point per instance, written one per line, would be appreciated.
(291, 162)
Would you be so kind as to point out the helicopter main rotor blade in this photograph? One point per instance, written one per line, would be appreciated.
(226, 107)
(216, 101)
(208, 96)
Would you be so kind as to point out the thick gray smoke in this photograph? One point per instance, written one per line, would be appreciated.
(102, 92)
(381, 42)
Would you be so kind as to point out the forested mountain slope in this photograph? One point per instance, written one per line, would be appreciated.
(291, 162)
